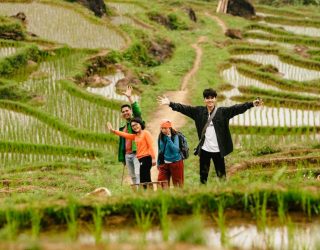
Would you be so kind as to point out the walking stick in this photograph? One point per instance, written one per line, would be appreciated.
(122, 173)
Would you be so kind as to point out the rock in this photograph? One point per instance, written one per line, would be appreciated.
(158, 18)
(301, 50)
(97, 81)
(18, 36)
(192, 15)
(38, 100)
(100, 192)
(20, 16)
(269, 69)
(31, 34)
(147, 78)
(97, 6)
(129, 79)
(38, 75)
(161, 50)
(5, 183)
(234, 33)
(31, 63)
(241, 8)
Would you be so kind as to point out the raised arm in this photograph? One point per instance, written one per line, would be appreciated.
(128, 94)
(120, 133)
(187, 110)
(136, 111)
(241, 108)
(124, 134)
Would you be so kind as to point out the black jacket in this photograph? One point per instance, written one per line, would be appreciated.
(220, 122)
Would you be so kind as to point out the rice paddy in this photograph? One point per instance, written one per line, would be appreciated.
(298, 30)
(110, 91)
(287, 71)
(7, 51)
(46, 21)
(55, 148)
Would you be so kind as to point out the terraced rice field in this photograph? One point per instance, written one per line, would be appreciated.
(46, 21)
(55, 148)
(6, 51)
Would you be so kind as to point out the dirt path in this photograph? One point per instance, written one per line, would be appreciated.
(181, 96)
(164, 112)
(218, 20)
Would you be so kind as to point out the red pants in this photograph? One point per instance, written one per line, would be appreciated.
(174, 169)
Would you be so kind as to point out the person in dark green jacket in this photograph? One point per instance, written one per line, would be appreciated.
(127, 148)
(217, 142)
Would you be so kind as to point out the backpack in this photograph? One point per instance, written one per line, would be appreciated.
(183, 144)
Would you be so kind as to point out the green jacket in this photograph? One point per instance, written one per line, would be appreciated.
(136, 112)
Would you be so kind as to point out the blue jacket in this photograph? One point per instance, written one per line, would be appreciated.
(172, 150)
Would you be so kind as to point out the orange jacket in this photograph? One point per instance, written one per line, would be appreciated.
(143, 141)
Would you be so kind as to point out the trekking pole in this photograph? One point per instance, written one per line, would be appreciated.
(122, 174)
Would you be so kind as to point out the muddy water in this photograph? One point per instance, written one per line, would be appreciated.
(245, 236)
(241, 232)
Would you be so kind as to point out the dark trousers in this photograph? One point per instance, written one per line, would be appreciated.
(219, 165)
(145, 167)
(174, 170)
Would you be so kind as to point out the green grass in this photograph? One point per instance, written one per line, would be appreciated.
(39, 196)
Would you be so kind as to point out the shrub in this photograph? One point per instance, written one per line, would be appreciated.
(10, 64)
(265, 150)
(175, 23)
(113, 57)
(10, 29)
(12, 92)
(138, 55)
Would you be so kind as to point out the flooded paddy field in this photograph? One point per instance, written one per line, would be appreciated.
(61, 184)
(64, 26)
(222, 229)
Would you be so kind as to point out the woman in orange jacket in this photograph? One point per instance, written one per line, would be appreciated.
(145, 152)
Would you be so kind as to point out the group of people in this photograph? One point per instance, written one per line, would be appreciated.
(136, 144)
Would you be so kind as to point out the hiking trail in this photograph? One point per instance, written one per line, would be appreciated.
(181, 96)
(222, 25)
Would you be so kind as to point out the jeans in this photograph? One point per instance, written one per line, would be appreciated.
(133, 166)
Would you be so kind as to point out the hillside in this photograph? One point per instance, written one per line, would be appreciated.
(63, 71)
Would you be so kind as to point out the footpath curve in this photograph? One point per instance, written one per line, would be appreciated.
(164, 112)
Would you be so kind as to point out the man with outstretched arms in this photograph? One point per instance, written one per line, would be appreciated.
(128, 148)
(212, 125)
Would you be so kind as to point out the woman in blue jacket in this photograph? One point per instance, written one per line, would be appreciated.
(170, 161)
